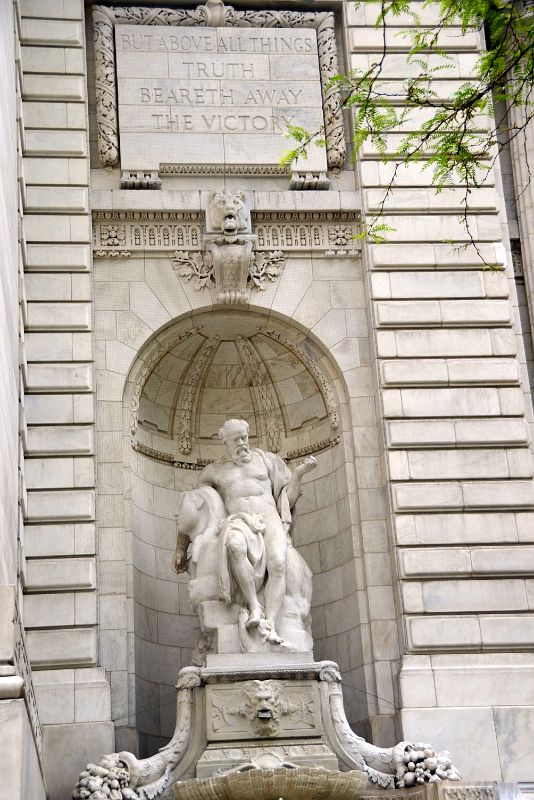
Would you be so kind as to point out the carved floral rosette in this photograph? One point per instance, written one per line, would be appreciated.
(211, 14)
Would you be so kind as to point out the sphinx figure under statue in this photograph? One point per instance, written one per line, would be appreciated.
(255, 715)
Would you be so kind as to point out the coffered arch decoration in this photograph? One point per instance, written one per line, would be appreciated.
(213, 14)
(220, 364)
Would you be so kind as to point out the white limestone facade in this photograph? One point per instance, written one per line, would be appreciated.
(401, 366)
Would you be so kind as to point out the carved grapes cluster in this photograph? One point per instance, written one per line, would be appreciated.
(109, 780)
(421, 764)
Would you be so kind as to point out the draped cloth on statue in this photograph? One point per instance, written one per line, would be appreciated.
(252, 527)
(279, 475)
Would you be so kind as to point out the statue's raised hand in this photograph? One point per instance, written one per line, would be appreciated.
(307, 465)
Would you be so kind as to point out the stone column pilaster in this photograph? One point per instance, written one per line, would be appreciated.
(60, 609)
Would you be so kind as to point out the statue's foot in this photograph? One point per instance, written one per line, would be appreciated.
(273, 637)
(255, 617)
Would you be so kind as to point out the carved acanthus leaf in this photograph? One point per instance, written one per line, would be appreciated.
(193, 267)
(199, 268)
(266, 267)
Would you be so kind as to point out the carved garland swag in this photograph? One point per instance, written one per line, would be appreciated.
(211, 14)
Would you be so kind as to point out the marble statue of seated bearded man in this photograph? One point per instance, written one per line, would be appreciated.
(258, 492)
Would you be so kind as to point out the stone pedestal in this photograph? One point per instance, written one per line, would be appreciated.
(222, 622)
(241, 716)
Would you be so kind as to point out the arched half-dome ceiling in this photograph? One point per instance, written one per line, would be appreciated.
(201, 371)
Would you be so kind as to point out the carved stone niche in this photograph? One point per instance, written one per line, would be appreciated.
(186, 136)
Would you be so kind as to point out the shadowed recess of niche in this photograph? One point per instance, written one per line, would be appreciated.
(204, 370)
(241, 366)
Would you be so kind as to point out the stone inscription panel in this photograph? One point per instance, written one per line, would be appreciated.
(201, 96)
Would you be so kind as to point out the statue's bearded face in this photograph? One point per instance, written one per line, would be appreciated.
(237, 447)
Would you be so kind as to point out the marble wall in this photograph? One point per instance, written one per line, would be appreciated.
(165, 626)
(417, 524)
(9, 303)
(459, 467)
(57, 476)
(21, 755)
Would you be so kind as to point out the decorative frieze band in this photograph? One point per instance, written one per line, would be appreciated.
(106, 17)
(332, 232)
(221, 169)
(119, 234)
(170, 458)
(127, 231)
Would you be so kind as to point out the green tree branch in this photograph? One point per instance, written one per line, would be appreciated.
(459, 140)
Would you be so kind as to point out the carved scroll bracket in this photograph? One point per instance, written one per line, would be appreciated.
(122, 775)
(229, 262)
(404, 765)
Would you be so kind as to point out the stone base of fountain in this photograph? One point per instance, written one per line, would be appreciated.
(258, 731)
(299, 783)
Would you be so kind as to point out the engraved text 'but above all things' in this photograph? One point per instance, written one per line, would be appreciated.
(201, 43)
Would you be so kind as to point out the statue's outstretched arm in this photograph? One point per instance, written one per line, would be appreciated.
(293, 486)
(205, 478)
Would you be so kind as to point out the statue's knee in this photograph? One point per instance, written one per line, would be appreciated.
(277, 568)
(236, 544)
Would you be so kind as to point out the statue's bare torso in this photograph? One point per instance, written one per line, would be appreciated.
(243, 487)
(246, 487)
(258, 484)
